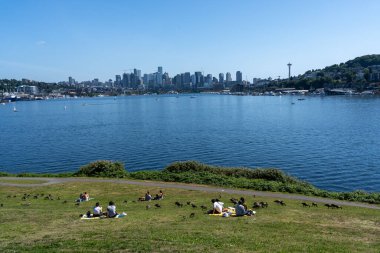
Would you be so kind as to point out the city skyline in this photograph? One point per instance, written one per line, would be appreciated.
(50, 41)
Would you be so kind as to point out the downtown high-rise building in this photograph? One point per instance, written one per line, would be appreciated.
(198, 79)
(71, 81)
(228, 77)
(221, 78)
(159, 70)
(239, 77)
(208, 81)
(126, 81)
(187, 78)
(117, 80)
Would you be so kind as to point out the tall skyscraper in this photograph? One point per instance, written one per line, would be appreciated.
(228, 77)
(160, 70)
(208, 81)
(187, 79)
(126, 80)
(198, 78)
(221, 78)
(117, 80)
(239, 76)
(71, 80)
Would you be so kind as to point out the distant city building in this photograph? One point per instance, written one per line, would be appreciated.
(95, 82)
(71, 81)
(187, 79)
(177, 81)
(31, 90)
(228, 77)
(208, 81)
(160, 70)
(221, 78)
(117, 80)
(193, 79)
(198, 79)
(126, 80)
(166, 79)
(158, 78)
(137, 73)
(239, 77)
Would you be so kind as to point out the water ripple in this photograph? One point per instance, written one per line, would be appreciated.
(331, 142)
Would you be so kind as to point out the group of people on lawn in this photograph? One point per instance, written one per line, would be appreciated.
(158, 196)
(241, 208)
(98, 211)
(111, 208)
(217, 206)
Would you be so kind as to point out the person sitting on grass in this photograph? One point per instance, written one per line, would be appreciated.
(148, 197)
(241, 210)
(111, 210)
(80, 197)
(242, 200)
(86, 196)
(217, 207)
(161, 194)
(97, 212)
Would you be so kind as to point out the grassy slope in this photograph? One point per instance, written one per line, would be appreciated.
(50, 225)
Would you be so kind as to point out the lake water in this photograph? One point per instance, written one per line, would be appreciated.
(332, 142)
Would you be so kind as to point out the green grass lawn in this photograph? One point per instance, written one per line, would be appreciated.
(39, 225)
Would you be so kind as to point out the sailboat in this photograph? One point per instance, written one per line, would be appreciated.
(14, 109)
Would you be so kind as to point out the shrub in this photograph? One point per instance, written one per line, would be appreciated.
(102, 169)
(267, 174)
(4, 174)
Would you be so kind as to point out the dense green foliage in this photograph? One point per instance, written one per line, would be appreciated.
(267, 174)
(343, 75)
(364, 61)
(102, 169)
(12, 84)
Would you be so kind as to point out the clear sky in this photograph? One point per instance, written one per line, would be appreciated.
(49, 40)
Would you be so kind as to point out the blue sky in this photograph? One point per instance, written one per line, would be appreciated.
(51, 40)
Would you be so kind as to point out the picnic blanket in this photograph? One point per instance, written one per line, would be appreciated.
(119, 216)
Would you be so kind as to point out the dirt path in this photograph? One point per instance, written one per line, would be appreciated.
(50, 181)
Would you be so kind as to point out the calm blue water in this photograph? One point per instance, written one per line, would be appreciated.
(332, 142)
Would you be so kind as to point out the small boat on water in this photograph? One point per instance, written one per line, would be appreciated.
(301, 99)
(14, 109)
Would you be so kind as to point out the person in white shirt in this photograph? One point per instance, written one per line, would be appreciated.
(111, 210)
(97, 212)
(217, 206)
